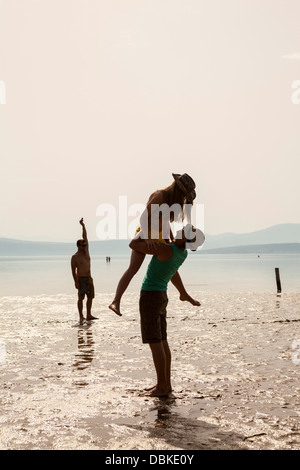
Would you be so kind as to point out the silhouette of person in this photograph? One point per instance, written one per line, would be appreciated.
(81, 271)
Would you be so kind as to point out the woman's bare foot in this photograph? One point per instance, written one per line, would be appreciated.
(91, 318)
(115, 307)
(188, 298)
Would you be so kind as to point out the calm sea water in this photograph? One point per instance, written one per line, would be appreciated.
(27, 276)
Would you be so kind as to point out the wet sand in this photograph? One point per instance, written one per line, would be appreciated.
(236, 372)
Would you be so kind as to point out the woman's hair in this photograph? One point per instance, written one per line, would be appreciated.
(174, 195)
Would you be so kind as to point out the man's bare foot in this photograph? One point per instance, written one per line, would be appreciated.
(115, 307)
(188, 298)
(149, 389)
(91, 318)
(155, 392)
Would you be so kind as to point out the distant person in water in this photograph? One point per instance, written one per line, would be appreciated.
(81, 271)
(154, 226)
(165, 262)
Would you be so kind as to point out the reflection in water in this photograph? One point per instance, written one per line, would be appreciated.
(172, 425)
(85, 353)
(278, 300)
(165, 415)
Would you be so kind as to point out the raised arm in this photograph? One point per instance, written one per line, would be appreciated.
(84, 233)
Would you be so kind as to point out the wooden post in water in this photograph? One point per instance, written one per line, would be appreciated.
(278, 280)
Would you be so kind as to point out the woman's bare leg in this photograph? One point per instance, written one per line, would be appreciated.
(177, 282)
(136, 261)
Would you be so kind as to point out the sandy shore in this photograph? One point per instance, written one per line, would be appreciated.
(236, 375)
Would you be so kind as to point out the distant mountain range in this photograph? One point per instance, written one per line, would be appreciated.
(278, 248)
(277, 234)
(283, 238)
(10, 247)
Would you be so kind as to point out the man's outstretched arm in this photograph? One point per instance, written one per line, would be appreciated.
(84, 233)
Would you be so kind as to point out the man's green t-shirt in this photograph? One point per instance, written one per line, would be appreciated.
(159, 273)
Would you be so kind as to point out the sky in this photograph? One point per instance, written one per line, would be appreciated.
(106, 99)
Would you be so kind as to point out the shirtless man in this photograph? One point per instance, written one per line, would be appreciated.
(81, 271)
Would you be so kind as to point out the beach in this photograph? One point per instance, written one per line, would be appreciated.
(134, 131)
(235, 371)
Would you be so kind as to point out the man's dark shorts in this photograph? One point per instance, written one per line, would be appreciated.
(153, 313)
(86, 287)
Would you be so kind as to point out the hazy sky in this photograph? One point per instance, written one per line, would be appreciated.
(106, 98)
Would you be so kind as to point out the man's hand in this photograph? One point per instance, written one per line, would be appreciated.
(146, 246)
(152, 245)
(77, 284)
(161, 250)
(84, 234)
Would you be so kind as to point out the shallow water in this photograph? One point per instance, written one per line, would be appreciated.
(212, 273)
(235, 375)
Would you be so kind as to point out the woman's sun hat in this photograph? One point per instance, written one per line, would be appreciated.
(186, 183)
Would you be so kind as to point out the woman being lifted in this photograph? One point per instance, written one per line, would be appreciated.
(155, 227)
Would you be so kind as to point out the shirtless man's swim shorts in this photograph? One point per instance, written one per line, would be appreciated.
(86, 287)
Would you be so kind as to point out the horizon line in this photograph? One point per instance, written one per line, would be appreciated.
(124, 239)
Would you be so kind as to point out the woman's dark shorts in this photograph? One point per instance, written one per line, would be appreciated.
(153, 313)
